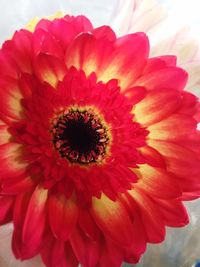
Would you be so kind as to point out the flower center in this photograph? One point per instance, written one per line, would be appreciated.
(80, 136)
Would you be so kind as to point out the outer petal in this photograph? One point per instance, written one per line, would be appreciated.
(10, 99)
(158, 63)
(12, 165)
(44, 43)
(19, 214)
(104, 32)
(165, 130)
(86, 250)
(63, 31)
(186, 48)
(133, 253)
(122, 59)
(152, 156)
(170, 77)
(5, 136)
(49, 69)
(173, 212)
(127, 61)
(6, 208)
(151, 216)
(180, 161)
(58, 254)
(113, 219)
(80, 23)
(82, 53)
(63, 214)
(88, 225)
(135, 94)
(157, 105)
(19, 50)
(19, 184)
(7, 65)
(111, 254)
(35, 219)
(157, 182)
(53, 252)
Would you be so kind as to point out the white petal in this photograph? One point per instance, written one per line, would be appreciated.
(137, 15)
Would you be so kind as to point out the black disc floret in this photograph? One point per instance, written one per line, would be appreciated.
(80, 136)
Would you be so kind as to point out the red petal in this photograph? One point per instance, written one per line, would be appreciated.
(8, 66)
(112, 255)
(87, 224)
(157, 182)
(4, 133)
(138, 246)
(104, 32)
(71, 258)
(158, 63)
(135, 94)
(152, 156)
(169, 77)
(127, 60)
(122, 59)
(173, 212)
(11, 163)
(150, 215)
(157, 105)
(44, 43)
(16, 185)
(133, 253)
(80, 23)
(35, 219)
(81, 53)
(87, 251)
(189, 104)
(6, 208)
(63, 31)
(43, 24)
(49, 69)
(19, 49)
(10, 98)
(170, 60)
(56, 253)
(63, 214)
(20, 209)
(53, 252)
(180, 161)
(112, 219)
(172, 128)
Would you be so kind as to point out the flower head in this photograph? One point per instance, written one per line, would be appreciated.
(98, 144)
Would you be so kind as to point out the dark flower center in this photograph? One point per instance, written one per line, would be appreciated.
(80, 136)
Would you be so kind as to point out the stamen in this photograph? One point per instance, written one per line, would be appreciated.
(80, 136)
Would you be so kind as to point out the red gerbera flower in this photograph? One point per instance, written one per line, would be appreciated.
(98, 144)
